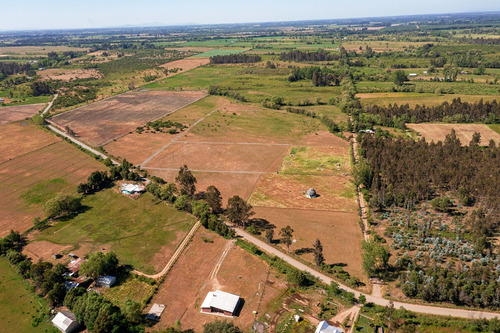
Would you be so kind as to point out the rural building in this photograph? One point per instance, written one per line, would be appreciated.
(70, 285)
(155, 312)
(412, 74)
(105, 281)
(1, 100)
(323, 327)
(131, 188)
(220, 302)
(65, 322)
(74, 266)
(311, 193)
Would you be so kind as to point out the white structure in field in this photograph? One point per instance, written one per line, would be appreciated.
(220, 302)
(323, 327)
(155, 312)
(65, 322)
(311, 193)
(105, 281)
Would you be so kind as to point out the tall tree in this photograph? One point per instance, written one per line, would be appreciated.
(100, 264)
(214, 199)
(319, 259)
(286, 236)
(269, 235)
(186, 181)
(238, 211)
(400, 77)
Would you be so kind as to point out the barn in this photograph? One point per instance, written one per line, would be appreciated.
(65, 322)
(221, 303)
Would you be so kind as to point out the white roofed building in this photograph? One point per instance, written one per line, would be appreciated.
(65, 322)
(220, 302)
(323, 327)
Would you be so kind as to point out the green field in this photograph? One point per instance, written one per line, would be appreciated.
(312, 161)
(135, 229)
(132, 287)
(217, 52)
(18, 305)
(495, 127)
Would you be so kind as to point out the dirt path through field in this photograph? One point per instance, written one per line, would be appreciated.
(49, 105)
(351, 313)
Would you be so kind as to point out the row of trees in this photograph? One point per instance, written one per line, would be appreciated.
(299, 56)
(235, 58)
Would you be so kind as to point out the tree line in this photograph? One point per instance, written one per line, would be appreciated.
(235, 58)
(299, 56)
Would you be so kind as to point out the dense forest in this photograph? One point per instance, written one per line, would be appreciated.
(11, 68)
(454, 112)
(235, 59)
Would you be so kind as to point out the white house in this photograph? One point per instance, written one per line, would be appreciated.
(155, 312)
(105, 281)
(220, 302)
(323, 327)
(65, 322)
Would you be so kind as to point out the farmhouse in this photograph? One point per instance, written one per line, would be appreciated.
(65, 322)
(323, 327)
(131, 188)
(155, 312)
(74, 266)
(105, 281)
(220, 302)
(311, 193)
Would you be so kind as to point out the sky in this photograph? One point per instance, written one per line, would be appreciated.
(71, 14)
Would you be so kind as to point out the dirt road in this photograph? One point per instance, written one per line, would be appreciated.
(427, 309)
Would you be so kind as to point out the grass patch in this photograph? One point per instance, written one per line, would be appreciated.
(20, 309)
(135, 229)
(44, 191)
(310, 160)
(217, 52)
(495, 127)
(132, 287)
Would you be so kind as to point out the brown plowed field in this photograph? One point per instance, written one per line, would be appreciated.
(438, 132)
(229, 184)
(18, 175)
(64, 74)
(103, 121)
(286, 191)
(19, 112)
(221, 157)
(189, 281)
(17, 139)
(339, 232)
(185, 64)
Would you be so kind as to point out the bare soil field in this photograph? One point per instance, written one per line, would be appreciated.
(339, 232)
(185, 65)
(221, 266)
(103, 121)
(438, 132)
(43, 250)
(229, 184)
(386, 98)
(17, 139)
(18, 175)
(336, 193)
(221, 157)
(37, 50)
(68, 74)
(19, 112)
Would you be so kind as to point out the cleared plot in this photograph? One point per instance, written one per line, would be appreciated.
(18, 139)
(19, 306)
(185, 64)
(142, 232)
(65, 74)
(217, 52)
(336, 193)
(103, 121)
(195, 274)
(438, 132)
(319, 160)
(339, 232)
(229, 184)
(18, 112)
(221, 157)
(37, 50)
(59, 165)
(413, 99)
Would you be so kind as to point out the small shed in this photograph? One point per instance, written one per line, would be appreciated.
(311, 193)
(131, 188)
(65, 322)
(105, 281)
(221, 303)
(412, 74)
(323, 327)
(1, 100)
(74, 266)
(155, 312)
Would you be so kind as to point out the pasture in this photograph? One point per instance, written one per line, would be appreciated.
(217, 52)
(101, 122)
(413, 99)
(222, 266)
(19, 112)
(43, 168)
(68, 74)
(19, 307)
(180, 66)
(438, 132)
(144, 233)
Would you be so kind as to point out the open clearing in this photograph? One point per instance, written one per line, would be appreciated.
(333, 229)
(143, 233)
(103, 121)
(19, 112)
(18, 139)
(68, 74)
(28, 180)
(18, 306)
(185, 64)
(401, 98)
(438, 132)
(220, 266)
(37, 50)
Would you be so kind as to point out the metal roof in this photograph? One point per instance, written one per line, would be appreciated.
(221, 300)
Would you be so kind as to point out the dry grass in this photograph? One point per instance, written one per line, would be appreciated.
(68, 74)
(415, 98)
(438, 132)
(19, 112)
